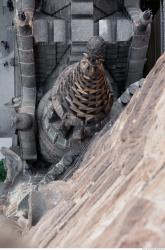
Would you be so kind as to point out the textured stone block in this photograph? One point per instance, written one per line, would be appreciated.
(81, 8)
(59, 31)
(82, 30)
(41, 32)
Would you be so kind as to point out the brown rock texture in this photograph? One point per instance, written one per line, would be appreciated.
(117, 197)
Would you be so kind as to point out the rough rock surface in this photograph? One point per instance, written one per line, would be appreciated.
(117, 197)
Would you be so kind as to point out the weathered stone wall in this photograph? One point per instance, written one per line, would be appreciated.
(117, 197)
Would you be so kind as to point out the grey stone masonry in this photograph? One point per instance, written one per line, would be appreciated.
(82, 27)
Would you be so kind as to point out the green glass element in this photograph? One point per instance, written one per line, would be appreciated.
(3, 172)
